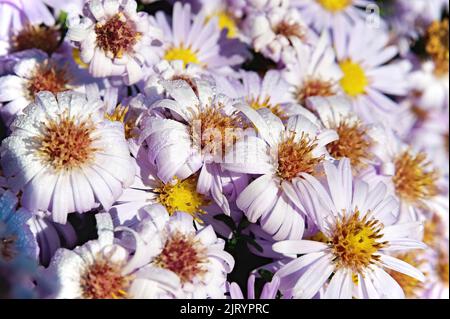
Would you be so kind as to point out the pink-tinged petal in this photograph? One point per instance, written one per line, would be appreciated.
(292, 195)
(403, 230)
(298, 264)
(314, 278)
(235, 291)
(251, 287)
(271, 221)
(252, 191)
(299, 247)
(374, 198)
(386, 286)
(404, 244)
(264, 201)
(340, 286)
(401, 266)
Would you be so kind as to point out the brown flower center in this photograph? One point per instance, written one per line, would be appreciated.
(355, 241)
(103, 280)
(7, 247)
(188, 80)
(215, 132)
(438, 45)
(118, 35)
(289, 30)
(413, 179)
(434, 229)
(295, 157)
(411, 286)
(353, 143)
(314, 87)
(36, 37)
(184, 255)
(48, 77)
(66, 144)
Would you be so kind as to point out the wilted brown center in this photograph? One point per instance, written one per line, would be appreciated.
(36, 37)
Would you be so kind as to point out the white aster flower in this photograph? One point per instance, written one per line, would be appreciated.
(65, 157)
(114, 39)
(360, 230)
(279, 156)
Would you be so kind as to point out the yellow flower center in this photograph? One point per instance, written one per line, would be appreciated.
(334, 5)
(184, 255)
(187, 55)
(36, 37)
(355, 242)
(77, 58)
(295, 157)
(103, 280)
(119, 115)
(353, 143)
(258, 103)
(434, 230)
(413, 180)
(225, 21)
(354, 80)
(438, 45)
(182, 196)
(410, 286)
(66, 144)
(442, 267)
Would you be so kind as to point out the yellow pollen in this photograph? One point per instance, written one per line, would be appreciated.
(354, 143)
(442, 267)
(334, 5)
(354, 80)
(37, 37)
(413, 180)
(320, 237)
(434, 230)
(257, 103)
(77, 58)
(438, 45)
(410, 286)
(182, 196)
(119, 115)
(187, 55)
(103, 280)
(225, 21)
(313, 87)
(355, 242)
(184, 255)
(66, 144)
(295, 157)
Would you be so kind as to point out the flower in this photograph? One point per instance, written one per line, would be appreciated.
(33, 72)
(359, 224)
(197, 41)
(409, 175)
(313, 72)
(16, 238)
(270, 92)
(274, 33)
(208, 124)
(364, 56)
(65, 157)
(278, 156)
(355, 140)
(106, 269)
(335, 15)
(114, 39)
(196, 257)
(269, 290)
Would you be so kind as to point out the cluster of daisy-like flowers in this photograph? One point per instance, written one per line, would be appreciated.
(222, 149)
